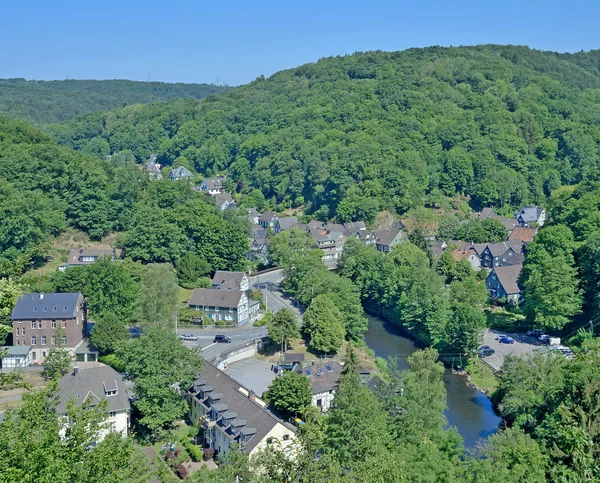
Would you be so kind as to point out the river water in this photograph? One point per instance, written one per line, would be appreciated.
(468, 409)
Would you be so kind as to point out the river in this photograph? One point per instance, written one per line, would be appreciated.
(469, 410)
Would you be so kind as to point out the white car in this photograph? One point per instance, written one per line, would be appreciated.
(188, 337)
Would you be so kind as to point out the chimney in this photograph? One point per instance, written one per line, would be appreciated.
(252, 396)
(75, 370)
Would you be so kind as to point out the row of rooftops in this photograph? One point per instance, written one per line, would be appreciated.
(239, 413)
(47, 306)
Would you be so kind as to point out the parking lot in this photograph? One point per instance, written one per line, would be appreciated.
(524, 344)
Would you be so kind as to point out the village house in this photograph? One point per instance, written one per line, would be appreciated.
(523, 234)
(228, 304)
(253, 216)
(268, 220)
(324, 379)
(509, 224)
(180, 173)
(153, 168)
(97, 384)
(502, 282)
(468, 254)
(285, 223)
(37, 316)
(232, 416)
(15, 357)
(530, 215)
(234, 280)
(500, 254)
(82, 256)
(224, 201)
(385, 240)
(259, 249)
(213, 186)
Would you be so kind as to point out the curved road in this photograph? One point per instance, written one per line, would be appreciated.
(274, 299)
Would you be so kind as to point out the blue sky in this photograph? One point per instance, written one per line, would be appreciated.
(236, 41)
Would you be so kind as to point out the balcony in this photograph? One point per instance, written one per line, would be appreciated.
(207, 423)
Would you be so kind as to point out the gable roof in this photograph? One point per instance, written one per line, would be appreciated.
(322, 377)
(222, 276)
(267, 216)
(386, 237)
(508, 277)
(523, 234)
(76, 253)
(92, 383)
(215, 297)
(287, 222)
(489, 213)
(460, 253)
(497, 249)
(530, 214)
(250, 415)
(47, 306)
(180, 172)
(222, 198)
(213, 183)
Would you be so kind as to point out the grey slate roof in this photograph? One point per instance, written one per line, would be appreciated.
(215, 298)
(222, 276)
(76, 253)
(498, 249)
(321, 378)
(267, 217)
(249, 414)
(508, 276)
(180, 172)
(287, 222)
(46, 306)
(92, 383)
(530, 214)
(223, 198)
(386, 237)
(18, 350)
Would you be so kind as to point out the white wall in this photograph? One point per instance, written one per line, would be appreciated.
(326, 400)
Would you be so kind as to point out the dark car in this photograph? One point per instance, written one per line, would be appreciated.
(485, 351)
(222, 338)
(506, 340)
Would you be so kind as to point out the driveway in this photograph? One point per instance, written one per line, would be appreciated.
(252, 373)
(523, 345)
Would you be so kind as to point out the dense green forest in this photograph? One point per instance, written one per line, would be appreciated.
(42, 102)
(348, 136)
(46, 188)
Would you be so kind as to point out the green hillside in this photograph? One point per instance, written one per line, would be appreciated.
(42, 102)
(348, 136)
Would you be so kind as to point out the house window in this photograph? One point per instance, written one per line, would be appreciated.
(286, 437)
(319, 402)
(34, 356)
(43, 340)
(269, 440)
(44, 354)
(33, 340)
(230, 310)
(63, 339)
(53, 341)
(20, 321)
(53, 324)
(112, 414)
(80, 357)
(40, 324)
(63, 324)
(33, 324)
(17, 331)
(17, 341)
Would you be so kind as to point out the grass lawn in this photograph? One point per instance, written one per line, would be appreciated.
(482, 375)
(501, 319)
(184, 294)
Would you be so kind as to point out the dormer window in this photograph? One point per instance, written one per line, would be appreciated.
(111, 389)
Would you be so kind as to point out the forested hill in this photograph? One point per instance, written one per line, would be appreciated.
(43, 102)
(348, 136)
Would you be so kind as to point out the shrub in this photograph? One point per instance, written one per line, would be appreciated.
(193, 450)
(182, 471)
(208, 453)
(113, 361)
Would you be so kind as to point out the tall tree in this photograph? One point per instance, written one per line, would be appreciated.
(108, 333)
(289, 393)
(155, 362)
(323, 322)
(158, 300)
(283, 327)
(10, 291)
(59, 360)
(190, 269)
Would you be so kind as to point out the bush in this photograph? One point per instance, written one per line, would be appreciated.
(181, 471)
(208, 453)
(193, 450)
(113, 361)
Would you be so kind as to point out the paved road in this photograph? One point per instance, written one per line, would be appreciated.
(275, 300)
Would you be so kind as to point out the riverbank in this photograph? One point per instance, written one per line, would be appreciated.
(468, 409)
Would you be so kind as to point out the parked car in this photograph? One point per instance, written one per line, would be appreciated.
(188, 337)
(222, 338)
(543, 338)
(500, 336)
(553, 341)
(485, 351)
(506, 340)
(535, 332)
